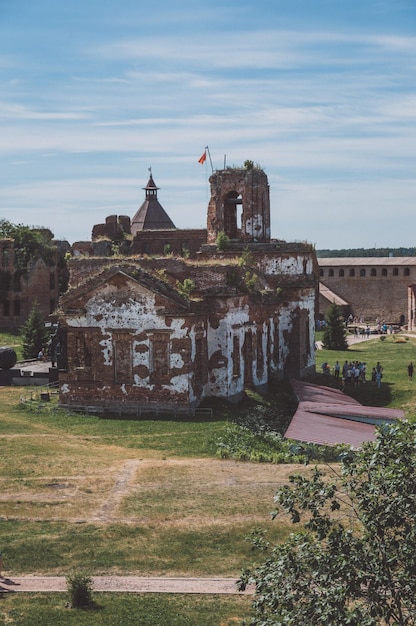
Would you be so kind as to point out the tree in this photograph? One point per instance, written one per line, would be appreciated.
(34, 334)
(354, 562)
(29, 243)
(335, 333)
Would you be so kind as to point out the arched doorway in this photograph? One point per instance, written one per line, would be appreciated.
(231, 201)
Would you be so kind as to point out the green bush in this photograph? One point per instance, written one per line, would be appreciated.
(250, 280)
(80, 589)
(222, 241)
(186, 288)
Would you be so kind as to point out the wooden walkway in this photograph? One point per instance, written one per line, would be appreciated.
(327, 416)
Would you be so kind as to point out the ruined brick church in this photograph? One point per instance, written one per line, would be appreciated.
(184, 315)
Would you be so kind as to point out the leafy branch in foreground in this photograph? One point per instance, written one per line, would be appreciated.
(354, 560)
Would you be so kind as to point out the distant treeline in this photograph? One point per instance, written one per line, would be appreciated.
(329, 254)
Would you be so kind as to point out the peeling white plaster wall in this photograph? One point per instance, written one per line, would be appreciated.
(116, 311)
(293, 265)
(285, 324)
(121, 314)
(309, 304)
(178, 384)
(254, 226)
(263, 378)
(219, 339)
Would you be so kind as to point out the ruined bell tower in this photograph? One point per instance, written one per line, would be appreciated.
(239, 205)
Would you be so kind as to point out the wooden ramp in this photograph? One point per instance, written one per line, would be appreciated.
(327, 416)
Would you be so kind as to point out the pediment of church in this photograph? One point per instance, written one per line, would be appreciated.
(122, 285)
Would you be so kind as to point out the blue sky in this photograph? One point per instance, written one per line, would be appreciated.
(320, 93)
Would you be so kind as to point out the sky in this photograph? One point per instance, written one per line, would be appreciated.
(320, 93)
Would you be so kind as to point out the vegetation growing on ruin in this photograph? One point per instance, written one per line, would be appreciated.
(29, 243)
(186, 287)
(222, 241)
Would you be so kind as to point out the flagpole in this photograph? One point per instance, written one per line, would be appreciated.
(210, 160)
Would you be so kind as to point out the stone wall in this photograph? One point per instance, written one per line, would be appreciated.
(131, 334)
(239, 205)
(115, 227)
(378, 289)
(181, 242)
(20, 290)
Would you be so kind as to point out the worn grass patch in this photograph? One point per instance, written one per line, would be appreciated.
(216, 491)
(125, 495)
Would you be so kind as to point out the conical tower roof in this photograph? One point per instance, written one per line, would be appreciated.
(151, 215)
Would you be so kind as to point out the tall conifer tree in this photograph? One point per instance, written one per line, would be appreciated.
(35, 335)
(335, 333)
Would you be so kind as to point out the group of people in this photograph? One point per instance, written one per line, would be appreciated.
(351, 373)
(354, 373)
(363, 332)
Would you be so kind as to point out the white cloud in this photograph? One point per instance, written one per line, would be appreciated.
(319, 109)
(261, 49)
(21, 112)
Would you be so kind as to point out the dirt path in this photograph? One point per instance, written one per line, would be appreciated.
(121, 488)
(129, 584)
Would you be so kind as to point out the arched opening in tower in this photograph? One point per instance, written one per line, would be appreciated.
(231, 227)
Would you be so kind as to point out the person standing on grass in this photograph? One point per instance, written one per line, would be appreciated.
(363, 371)
(378, 379)
(410, 371)
(1, 566)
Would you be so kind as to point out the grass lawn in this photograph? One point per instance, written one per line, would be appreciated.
(12, 339)
(147, 497)
(124, 609)
(124, 496)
